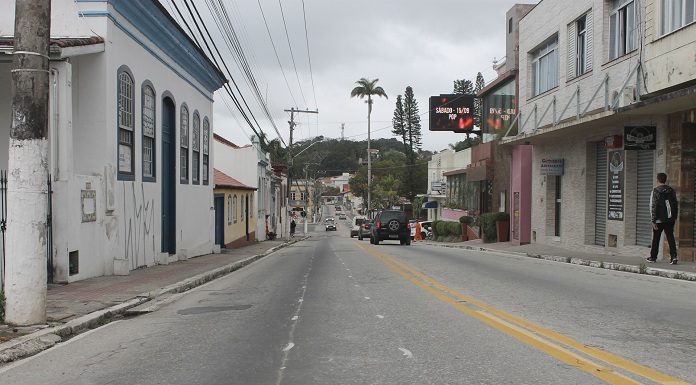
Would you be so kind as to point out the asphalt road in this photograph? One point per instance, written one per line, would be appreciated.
(333, 310)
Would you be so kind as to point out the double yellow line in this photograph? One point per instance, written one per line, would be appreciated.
(561, 347)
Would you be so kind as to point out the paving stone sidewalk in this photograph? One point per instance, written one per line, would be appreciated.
(589, 257)
(74, 302)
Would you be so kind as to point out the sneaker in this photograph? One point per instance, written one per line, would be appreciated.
(673, 262)
(650, 260)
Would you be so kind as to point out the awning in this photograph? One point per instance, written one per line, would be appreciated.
(430, 205)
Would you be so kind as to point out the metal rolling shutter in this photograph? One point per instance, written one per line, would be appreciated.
(601, 195)
(644, 183)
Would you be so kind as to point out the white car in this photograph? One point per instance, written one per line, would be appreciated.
(425, 228)
(358, 220)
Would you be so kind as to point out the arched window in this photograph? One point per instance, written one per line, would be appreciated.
(206, 148)
(148, 115)
(184, 143)
(126, 124)
(235, 208)
(196, 154)
(241, 207)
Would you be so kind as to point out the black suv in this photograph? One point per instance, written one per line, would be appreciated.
(391, 224)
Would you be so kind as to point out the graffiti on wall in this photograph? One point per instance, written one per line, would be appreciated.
(139, 221)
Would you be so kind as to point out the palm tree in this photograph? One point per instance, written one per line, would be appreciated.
(366, 87)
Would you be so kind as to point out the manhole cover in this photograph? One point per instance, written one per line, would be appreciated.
(211, 309)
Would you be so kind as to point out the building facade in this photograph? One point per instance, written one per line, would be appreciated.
(131, 108)
(234, 219)
(607, 100)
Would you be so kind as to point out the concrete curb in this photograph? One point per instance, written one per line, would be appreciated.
(640, 269)
(43, 339)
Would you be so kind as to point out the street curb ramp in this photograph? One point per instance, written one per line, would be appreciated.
(31, 344)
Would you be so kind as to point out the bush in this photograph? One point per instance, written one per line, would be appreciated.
(454, 228)
(488, 221)
(467, 220)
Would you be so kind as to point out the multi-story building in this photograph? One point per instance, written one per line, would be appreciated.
(607, 100)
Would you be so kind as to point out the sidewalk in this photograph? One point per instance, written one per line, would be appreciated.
(599, 259)
(81, 305)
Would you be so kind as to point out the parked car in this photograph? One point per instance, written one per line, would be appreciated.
(365, 230)
(358, 220)
(425, 228)
(330, 224)
(391, 225)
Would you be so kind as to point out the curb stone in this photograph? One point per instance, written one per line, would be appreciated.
(658, 272)
(30, 344)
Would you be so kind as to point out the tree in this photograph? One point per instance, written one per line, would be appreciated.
(463, 86)
(466, 143)
(366, 87)
(387, 191)
(331, 191)
(399, 122)
(478, 103)
(413, 135)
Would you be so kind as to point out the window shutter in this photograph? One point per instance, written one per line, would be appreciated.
(589, 48)
(572, 50)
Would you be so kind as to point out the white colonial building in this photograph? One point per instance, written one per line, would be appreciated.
(607, 100)
(131, 108)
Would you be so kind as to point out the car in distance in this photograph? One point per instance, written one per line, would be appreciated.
(330, 224)
(341, 216)
(391, 225)
(358, 220)
(338, 208)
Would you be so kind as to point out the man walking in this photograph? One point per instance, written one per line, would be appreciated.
(664, 208)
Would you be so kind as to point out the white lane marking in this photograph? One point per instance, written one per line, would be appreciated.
(348, 269)
(367, 297)
(290, 346)
(356, 285)
(294, 318)
(407, 353)
(350, 276)
(300, 300)
(380, 316)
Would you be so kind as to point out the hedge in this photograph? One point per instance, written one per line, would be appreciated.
(446, 228)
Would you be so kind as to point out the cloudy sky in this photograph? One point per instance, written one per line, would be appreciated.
(425, 44)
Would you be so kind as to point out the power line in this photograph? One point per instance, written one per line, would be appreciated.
(226, 85)
(276, 53)
(309, 57)
(292, 56)
(234, 45)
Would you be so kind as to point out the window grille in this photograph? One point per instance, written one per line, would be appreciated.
(184, 143)
(195, 156)
(126, 123)
(148, 132)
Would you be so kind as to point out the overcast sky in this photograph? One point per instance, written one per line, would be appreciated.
(425, 44)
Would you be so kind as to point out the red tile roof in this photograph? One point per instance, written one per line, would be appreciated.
(223, 180)
(224, 141)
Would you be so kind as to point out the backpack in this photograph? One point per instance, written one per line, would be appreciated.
(666, 207)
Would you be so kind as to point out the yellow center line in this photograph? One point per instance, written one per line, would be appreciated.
(526, 331)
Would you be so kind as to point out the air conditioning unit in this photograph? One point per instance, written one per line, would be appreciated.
(626, 97)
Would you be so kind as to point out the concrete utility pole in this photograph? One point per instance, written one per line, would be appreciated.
(25, 286)
(369, 158)
(292, 124)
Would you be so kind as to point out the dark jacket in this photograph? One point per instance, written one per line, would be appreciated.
(664, 206)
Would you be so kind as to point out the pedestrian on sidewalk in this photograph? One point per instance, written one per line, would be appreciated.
(417, 236)
(664, 208)
(292, 228)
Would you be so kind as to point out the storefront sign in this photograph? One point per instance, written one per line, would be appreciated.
(551, 166)
(616, 186)
(640, 137)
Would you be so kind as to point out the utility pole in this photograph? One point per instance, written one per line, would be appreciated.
(292, 124)
(25, 286)
(369, 158)
(343, 127)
